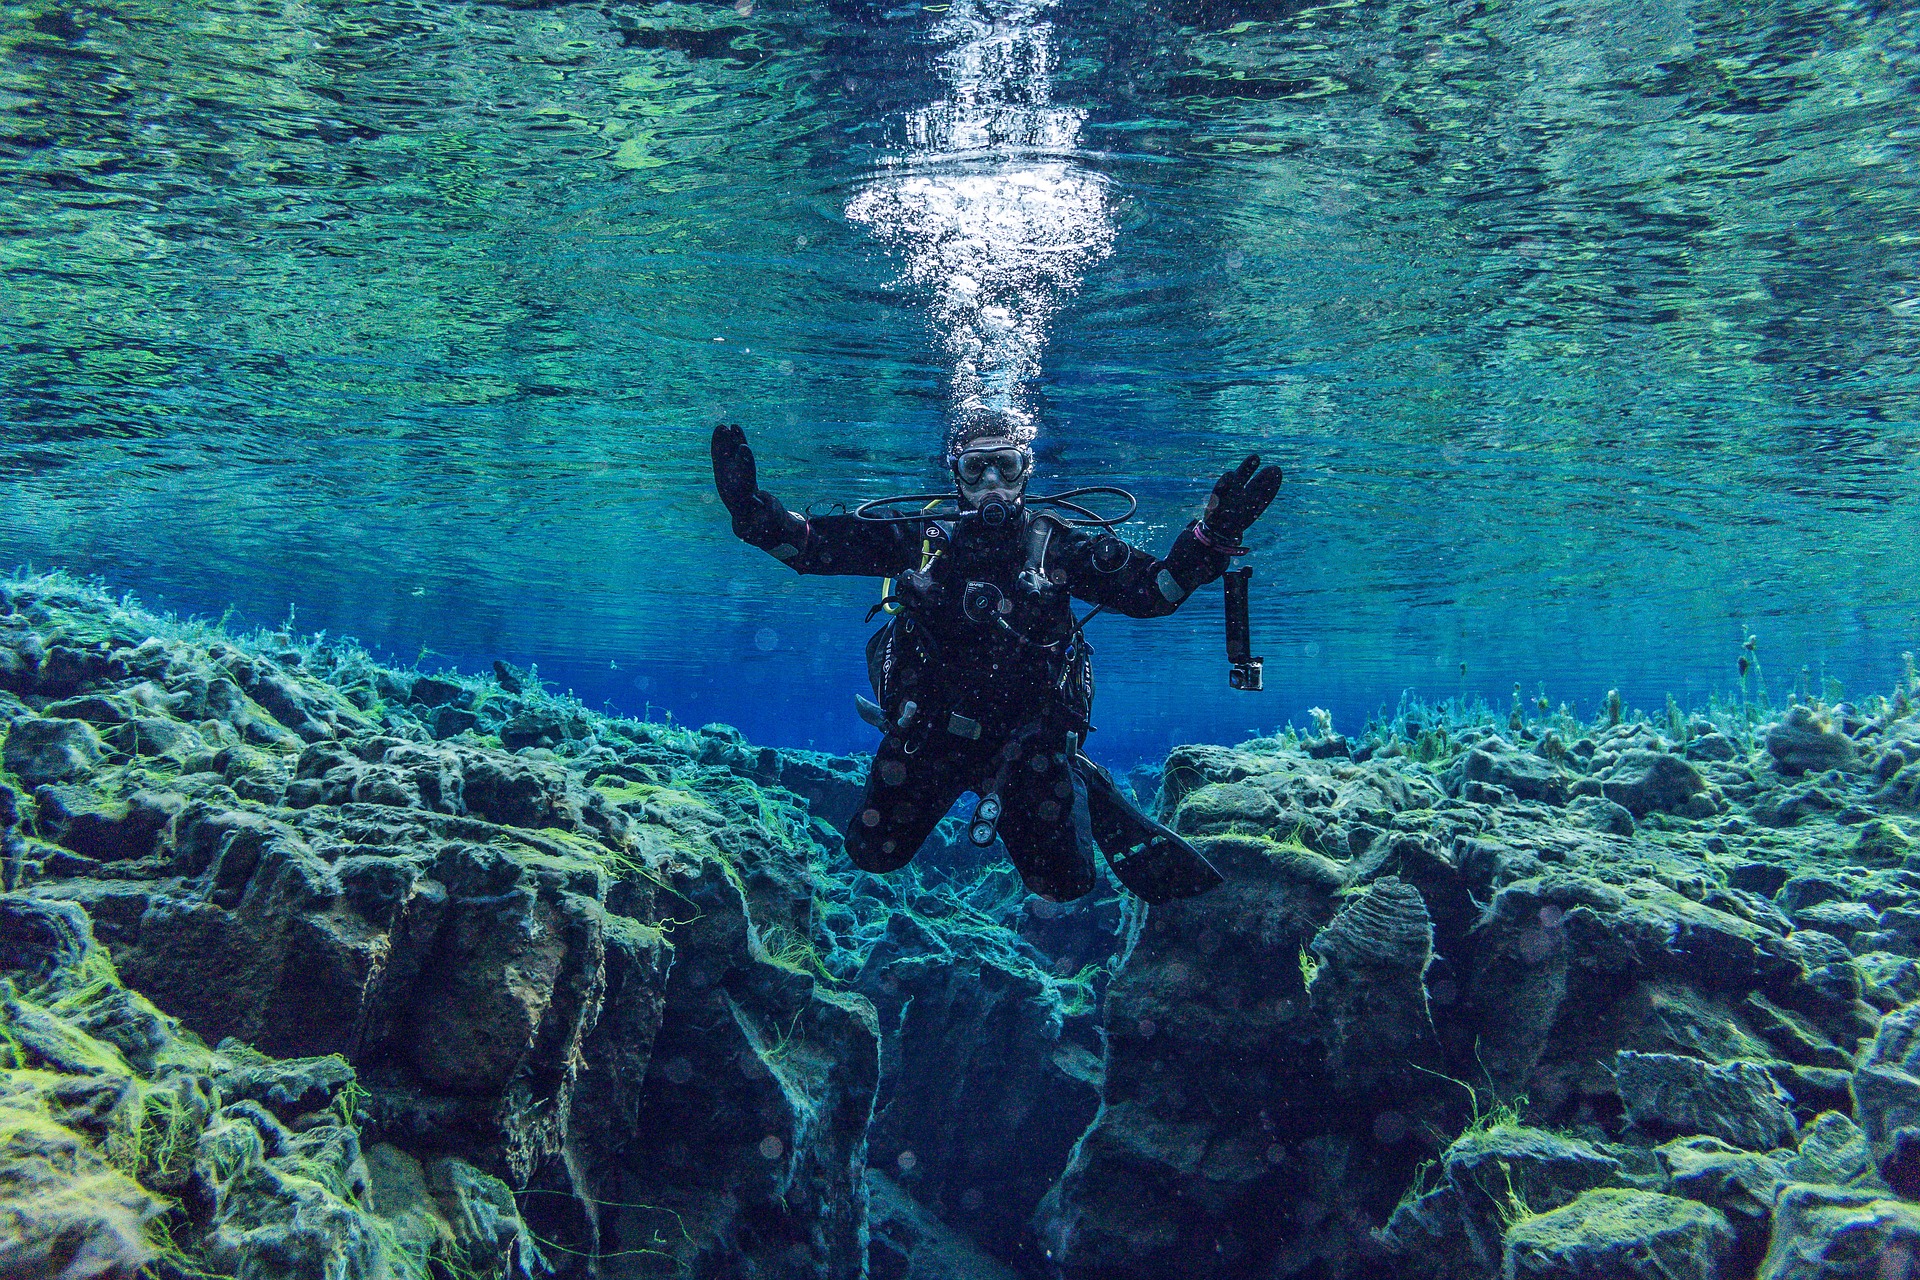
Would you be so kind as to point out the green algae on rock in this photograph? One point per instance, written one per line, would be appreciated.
(614, 999)
(1613, 1234)
(509, 960)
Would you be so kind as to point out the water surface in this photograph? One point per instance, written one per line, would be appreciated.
(1588, 335)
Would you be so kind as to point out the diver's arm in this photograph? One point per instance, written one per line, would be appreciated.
(759, 518)
(829, 544)
(845, 544)
(1106, 571)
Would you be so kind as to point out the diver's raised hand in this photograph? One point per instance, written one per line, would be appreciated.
(735, 477)
(758, 517)
(1239, 497)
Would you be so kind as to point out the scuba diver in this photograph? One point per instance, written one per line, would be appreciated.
(983, 676)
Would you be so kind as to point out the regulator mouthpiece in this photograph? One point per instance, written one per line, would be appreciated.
(994, 513)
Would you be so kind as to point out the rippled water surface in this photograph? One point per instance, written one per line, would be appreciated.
(1588, 334)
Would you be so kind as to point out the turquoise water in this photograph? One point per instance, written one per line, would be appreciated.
(1588, 335)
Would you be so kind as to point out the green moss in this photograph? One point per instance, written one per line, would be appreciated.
(1884, 843)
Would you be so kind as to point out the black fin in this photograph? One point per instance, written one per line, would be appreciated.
(1153, 863)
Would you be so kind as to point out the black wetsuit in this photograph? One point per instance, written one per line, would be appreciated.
(982, 676)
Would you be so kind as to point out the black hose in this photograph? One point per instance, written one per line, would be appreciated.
(1086, 518)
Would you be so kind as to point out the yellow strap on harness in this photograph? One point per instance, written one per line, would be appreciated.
(927, 556)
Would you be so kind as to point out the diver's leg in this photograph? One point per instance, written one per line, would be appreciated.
(906, 797)
(1040, 800)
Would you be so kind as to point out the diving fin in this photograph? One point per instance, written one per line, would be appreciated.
(1153, 863)
(870, 712)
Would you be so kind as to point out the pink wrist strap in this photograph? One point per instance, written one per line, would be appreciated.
(1200, 532)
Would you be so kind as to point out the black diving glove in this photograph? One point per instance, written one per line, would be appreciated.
(758, 517)
(1238, 498)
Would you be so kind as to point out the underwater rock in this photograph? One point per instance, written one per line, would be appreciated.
(1888, 979)
(1600, 814)
(1497, 1170)
(1187, 1146)
(536, 728)
(1427, 1238)
(1882, 843)
(1643, 782)
(1902, 788)
(749, 1132)
(1737, 1102)
(1370, 988)
(1712, 746)
(1740, 1184)
(1886, 1097)
(909, 1243)
(42, 751)
(1527, 775)
(1611, 1234)
(292, 1089)
(993, 1076)
(1791, 1035)
(68, 1211)
(1833, 1150)
(1835, 1233)
(1806, 740)
(1839, 919)
(465, 1221)
(625, 979)
(397, 1193)
(489, 1237)
(98, 1090)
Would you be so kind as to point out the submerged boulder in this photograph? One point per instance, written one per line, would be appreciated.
(1806, 740)
(40, 751)
(1832, 1150)
(1740, 1184)
(1886, 1098)
(68, 1211)
(1370, 987)
(1613, 1234)
(1506, 1170)
(1836, 1233)
(1643, 782)
(1528, 776)
(1737, 1102)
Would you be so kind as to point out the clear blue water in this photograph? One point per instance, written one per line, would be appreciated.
(1588, 335)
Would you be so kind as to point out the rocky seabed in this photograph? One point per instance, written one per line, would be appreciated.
(318, 969)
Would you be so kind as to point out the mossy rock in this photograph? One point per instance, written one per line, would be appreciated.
(1509, 1170)
(1884, 843)
(1613, 1234)
(40, 751)
(67, 1210)
(1836, 1233)
(1737, 1102)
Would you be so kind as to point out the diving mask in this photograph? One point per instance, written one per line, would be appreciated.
(1009, 463)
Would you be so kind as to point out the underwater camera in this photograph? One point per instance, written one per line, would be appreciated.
(1244, 670)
